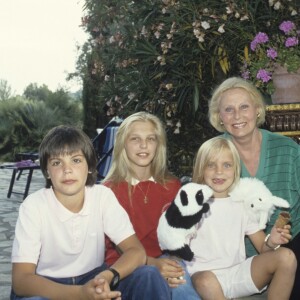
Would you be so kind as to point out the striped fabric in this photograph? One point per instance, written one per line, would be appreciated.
(104, 145)
(105, 161)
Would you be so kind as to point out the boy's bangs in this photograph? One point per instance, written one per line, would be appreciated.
(65, 146)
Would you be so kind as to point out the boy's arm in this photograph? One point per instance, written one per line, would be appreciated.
(133, 256)
(27, 283)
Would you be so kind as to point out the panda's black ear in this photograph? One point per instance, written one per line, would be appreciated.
(184, 198)
(199, 197)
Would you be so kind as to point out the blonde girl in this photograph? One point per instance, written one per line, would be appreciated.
(220, 269)
(140, 179)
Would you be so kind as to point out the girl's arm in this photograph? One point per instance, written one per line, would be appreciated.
(169, 268)
(277, 237)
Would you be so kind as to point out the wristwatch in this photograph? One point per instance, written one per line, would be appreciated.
(115, 280)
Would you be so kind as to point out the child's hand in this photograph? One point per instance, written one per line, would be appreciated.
(175, 281)
(280, 236)
(98, 288)
(171, 270)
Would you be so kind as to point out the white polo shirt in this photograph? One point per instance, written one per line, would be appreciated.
(66, 244)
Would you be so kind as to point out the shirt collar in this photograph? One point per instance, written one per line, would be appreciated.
(63, 213)
(135, 181)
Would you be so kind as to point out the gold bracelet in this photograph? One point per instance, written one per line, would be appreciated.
(270, 247)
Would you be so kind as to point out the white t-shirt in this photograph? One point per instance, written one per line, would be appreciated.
(66, 244)
(219, 242)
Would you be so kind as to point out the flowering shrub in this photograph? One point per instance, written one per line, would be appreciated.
(269, 52)
(166, 57)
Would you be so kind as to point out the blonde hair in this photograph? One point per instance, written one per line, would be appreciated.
(121, 168)
(234, 83)
(211, 149)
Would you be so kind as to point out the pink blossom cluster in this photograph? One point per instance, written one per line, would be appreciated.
(269, 51)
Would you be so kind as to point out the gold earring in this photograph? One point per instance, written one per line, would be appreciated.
(221, 123)
(258, 115)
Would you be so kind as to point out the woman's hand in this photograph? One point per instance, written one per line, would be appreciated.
(170, 269)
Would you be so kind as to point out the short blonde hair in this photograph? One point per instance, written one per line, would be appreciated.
(120, 169)
(233, 83)
(210, 149)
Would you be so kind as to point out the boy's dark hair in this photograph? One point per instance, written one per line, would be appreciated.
(63, 140)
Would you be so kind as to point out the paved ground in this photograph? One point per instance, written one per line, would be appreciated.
(8, 216)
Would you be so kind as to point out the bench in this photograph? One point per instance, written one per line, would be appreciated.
(19, 167)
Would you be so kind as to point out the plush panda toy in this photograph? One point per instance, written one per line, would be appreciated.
(178, 223)
(258, 200)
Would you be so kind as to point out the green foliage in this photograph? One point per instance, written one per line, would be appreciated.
(69, 111)
(166, 57)
(24, 122)
(35, 92)
(22, 126)
(5, 90)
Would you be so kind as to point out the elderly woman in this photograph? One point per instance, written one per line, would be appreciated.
(237, 109)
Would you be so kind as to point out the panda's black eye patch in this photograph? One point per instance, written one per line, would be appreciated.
(259, 199)
(184, 198)
(199, 197)
(252, 205)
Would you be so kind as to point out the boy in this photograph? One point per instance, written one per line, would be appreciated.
(58, 251)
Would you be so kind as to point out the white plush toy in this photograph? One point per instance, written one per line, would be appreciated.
(178, 223)
(259, 201)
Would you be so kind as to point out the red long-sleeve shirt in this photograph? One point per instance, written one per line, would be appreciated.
(143, 213)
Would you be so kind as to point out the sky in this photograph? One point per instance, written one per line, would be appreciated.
(38, 41)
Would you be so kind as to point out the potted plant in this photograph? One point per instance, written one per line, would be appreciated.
(273, 63)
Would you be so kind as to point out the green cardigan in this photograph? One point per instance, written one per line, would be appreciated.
(279, 169)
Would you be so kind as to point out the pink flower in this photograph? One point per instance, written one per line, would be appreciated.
(246, 74)
(291, 42)
(260, 38)
(272, 53)
(287, 26)
(263, 75)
